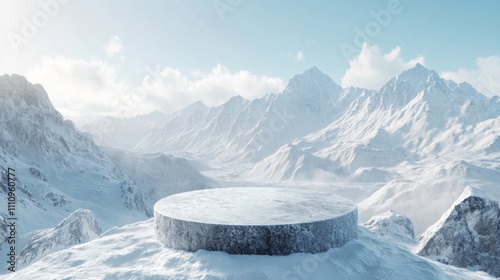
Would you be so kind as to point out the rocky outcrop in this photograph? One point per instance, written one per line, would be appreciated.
(80, 227)
(467, 235)
(391, 225)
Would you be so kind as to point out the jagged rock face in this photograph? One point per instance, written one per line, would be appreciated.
(80, 227)
(468, 236)
(391, 225)
(31, 127)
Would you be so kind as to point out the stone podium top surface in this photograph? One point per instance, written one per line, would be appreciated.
(253, 206)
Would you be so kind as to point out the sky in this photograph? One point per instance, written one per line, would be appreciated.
(124, 57)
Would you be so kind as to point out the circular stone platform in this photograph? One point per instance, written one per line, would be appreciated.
(255, 221)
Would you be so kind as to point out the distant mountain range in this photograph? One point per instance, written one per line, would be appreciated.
(414, 146)
(418, 136)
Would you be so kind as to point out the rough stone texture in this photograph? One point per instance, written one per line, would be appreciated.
(255, 221)
(468, 235)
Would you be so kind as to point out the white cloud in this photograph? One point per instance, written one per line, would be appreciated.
(484, 78)
(299, 56)
(372, 69)
(114, 46)
(173, 90)
(79, 88)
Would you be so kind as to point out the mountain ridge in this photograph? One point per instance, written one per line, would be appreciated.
(420, 140)
(59, 169)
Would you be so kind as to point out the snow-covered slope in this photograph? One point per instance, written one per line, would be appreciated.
(416, 115)
(132, 252)
(79, 227)
(59, 169)
(195, 128)
(467, 235)
(158, 175)
(122, 133)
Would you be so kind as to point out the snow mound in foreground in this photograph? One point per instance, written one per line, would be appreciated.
(467, 235)
(79, 227)
(391, 225)
(132, 252)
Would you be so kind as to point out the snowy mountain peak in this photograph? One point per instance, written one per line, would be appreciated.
(419, 67)
(313, 90)
(199, 105)
(417, 75)
(469, 91)
(16, 91)
(467, 235)
(14, 79)
(313, 71)
(426, 83)
(311, 78)
(238, 99)
(155, 115)
(470, 191)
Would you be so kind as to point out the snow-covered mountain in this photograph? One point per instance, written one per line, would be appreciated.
(59, 169)
(79, 227)
(243, 129)
(417, 137)
(122, 133)
(419, 140)
(416, 115)
(467, 235)
(413, 147)
(158, 175)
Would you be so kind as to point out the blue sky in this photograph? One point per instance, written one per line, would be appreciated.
(93, 56)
